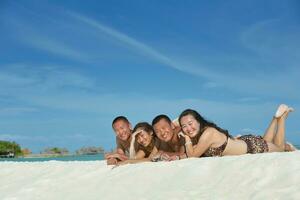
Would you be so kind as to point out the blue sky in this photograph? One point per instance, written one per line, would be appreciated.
(67, 68)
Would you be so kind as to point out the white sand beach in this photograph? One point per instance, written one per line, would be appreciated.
(260, 176)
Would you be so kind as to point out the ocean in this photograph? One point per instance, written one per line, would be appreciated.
(59, 158)
(66, 158)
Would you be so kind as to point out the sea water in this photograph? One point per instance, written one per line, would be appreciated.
(58, 158)
(67, 158)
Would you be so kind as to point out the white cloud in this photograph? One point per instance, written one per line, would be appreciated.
(141, 47)
(248, 99)
(250, 131)
(265, 84)
(17, 110)
(22, 138)
(12, 80)
(210, 85)
(43, 77)
(272, 83)
(40, 39)
(269, 39)
(54, 47)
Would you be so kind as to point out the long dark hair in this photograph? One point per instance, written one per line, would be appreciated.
(203, 122)
(133, 143)
(145, 126)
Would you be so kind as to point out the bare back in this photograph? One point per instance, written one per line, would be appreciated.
(235, 147)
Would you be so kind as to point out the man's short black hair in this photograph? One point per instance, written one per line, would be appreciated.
(160, 117)
(120, 118)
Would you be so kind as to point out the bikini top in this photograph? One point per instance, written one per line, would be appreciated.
(211, 151)
(216, 151)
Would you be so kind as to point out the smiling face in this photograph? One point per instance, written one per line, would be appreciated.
(164, 130)
(190, 125)
(144, 138)
(122, 129)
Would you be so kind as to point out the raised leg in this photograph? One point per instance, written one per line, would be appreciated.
(270, 132)
(279, 139)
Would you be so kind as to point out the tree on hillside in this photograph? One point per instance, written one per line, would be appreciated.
(89, 150)
(56, 150)
(7, 147)
(26, 151)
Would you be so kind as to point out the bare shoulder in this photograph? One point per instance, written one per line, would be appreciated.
(208, 133)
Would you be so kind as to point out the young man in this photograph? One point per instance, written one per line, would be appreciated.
(169, 145)
(122, 129)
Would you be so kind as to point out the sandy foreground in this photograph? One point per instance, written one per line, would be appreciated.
(260, 176)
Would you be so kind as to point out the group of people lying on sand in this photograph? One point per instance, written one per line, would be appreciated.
(191, 135)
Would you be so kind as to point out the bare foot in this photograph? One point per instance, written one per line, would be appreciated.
(286, 113)
(290, 109)
(289, 147)
(282, 108)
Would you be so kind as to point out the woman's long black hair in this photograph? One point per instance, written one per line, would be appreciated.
(134, 145)
(145, 126)
(203, 122)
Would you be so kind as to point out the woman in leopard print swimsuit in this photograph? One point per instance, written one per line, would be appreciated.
(204, 138)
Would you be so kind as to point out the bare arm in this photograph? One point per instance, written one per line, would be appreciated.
(119, 153)
(153, 153)
(140, 157)
(177, 157)
(177, 127)
(116, 151)
(170, 153)
(180, 152)
(174, 155)
(203, 144)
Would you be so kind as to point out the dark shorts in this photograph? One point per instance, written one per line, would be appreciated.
(255, 144)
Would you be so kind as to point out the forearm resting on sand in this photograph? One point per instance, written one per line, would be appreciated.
(116, 155)
(170, 156)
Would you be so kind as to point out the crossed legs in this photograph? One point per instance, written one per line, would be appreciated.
(275, 134)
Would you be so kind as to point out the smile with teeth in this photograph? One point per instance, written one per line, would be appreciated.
(165, 135)
(123, 135)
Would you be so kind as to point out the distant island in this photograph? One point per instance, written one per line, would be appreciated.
(90, 150)
(12, 149)
(9, 149)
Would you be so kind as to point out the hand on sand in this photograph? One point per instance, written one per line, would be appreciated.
(174, 157)
(123, 162)
(116, 155)
(160, 157)
(156, 158)
(164, 157)
(111, 161)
